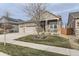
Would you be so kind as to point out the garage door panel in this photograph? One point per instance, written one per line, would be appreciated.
(30, 30)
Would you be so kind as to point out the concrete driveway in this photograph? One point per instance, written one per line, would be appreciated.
(12, 36)
(3, 54)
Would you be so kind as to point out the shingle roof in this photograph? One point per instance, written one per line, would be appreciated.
(75, 14)
(12, 19)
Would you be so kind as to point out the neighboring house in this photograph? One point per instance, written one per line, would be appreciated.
(10, 23)
(50, 23)
(73, 22)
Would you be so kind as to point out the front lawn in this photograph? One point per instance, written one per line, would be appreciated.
(16, 50)
(51, 40)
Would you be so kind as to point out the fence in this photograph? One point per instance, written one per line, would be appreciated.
(67, 31)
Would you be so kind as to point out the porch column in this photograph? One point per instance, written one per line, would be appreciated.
(59, 26)
(46, 25)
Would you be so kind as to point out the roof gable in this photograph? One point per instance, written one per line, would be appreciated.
(47, 16)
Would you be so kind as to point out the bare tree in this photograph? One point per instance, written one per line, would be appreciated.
(35, 11)
(7, 16)
(5, 26)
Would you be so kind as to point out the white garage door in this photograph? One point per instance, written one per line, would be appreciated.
(31, 30)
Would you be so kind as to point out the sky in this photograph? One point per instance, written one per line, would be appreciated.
(62, 9)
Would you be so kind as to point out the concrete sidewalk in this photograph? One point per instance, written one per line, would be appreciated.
(55, 49)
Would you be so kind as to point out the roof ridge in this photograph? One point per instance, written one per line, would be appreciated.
(11, 19)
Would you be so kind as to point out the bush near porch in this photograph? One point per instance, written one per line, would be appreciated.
(50, 40)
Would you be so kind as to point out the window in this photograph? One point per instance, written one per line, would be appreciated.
(53, 27)
(77, 25)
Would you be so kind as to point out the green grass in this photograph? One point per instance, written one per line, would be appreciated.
(51, 40)
(16, 50)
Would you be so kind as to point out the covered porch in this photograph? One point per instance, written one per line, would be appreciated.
(51, 26)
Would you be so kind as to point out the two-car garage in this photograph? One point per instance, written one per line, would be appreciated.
(29, 28)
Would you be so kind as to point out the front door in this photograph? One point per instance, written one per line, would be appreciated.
(53, 27)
